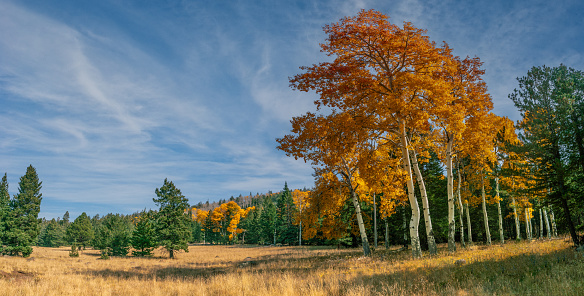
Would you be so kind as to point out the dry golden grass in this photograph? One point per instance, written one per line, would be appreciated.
(536, 268)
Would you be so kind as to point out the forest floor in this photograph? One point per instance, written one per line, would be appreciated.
(542, 267)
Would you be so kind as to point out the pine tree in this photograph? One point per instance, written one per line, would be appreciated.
(113, 236)
(144, 235)
(4, 208)
(268, 222)
(172, 223)
(65, 220)
(285, 212)
(80, 231)
(23, 225)
(52, 235)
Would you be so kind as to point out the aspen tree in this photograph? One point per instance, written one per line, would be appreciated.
(547, 223)
(331, 143)
(505, 136)
(432, 248)
(553, 220)
(468, 223)
(469, 99)
(460, 207)
(540, 223)
(485, 217)
(379, 63)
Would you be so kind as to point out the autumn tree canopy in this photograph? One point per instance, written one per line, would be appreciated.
(387, 86)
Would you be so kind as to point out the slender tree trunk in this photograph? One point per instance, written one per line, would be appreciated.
(364, 241)
(540, 224)
(374, 221)
(554, 226)
(415, 220)
(527, 231)
(432, 248)
(560, 179)
(517, 228)
(486, 218)
(461, 212)
(468, 223)
(501, 234)
(300, 234)
(405, 227)
(450, 196)
(386, 234)
(547, 223)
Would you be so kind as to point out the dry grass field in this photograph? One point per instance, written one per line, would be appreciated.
(536, 268)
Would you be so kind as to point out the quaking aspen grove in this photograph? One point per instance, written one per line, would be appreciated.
(391, 86)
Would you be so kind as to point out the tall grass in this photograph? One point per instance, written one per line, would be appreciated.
(536, 268)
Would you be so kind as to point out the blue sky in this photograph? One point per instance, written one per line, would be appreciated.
(108, 98)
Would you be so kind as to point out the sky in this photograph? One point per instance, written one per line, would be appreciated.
(108, 98)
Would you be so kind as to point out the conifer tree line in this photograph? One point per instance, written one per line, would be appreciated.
(169, 227)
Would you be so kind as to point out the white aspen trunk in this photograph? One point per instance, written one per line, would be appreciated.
(364, 241)
(374, 221)
(527, 226)
(517, 228)
(501, 234)
(432, 248)
(540, 224)
(486, 218)
(547, 223)
(554, 226)
(468, 223)
(300, 228)
(450, 196)
(530, 218)
(415, 220)
(461, 212)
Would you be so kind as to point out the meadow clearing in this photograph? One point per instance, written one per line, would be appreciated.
(546, 267)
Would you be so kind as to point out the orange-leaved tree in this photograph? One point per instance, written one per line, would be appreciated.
(331, 143)
(385, 75)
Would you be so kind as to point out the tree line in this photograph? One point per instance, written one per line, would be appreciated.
(169, 227)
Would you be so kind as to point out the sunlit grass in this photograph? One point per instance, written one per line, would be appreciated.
(536, 268)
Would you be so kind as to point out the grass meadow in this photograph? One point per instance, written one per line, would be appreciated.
(546, 267)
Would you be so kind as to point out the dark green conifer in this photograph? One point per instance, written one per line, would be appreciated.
(144, 235)
(22, 225)
(172, 221)
(80, 231)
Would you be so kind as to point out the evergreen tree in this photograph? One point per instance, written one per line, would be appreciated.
(287, 233)
(65, 220)
(52, 234)
(23, 225)
(80, 231)
(144, 235)
(268, 222)
(251, 224)
(172, 223)
(113, 236)
(4, 208)
(551, 102)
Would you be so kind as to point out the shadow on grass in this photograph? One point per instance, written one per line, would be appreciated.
(556, 273)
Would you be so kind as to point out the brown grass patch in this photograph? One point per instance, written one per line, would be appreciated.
(536, 268)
